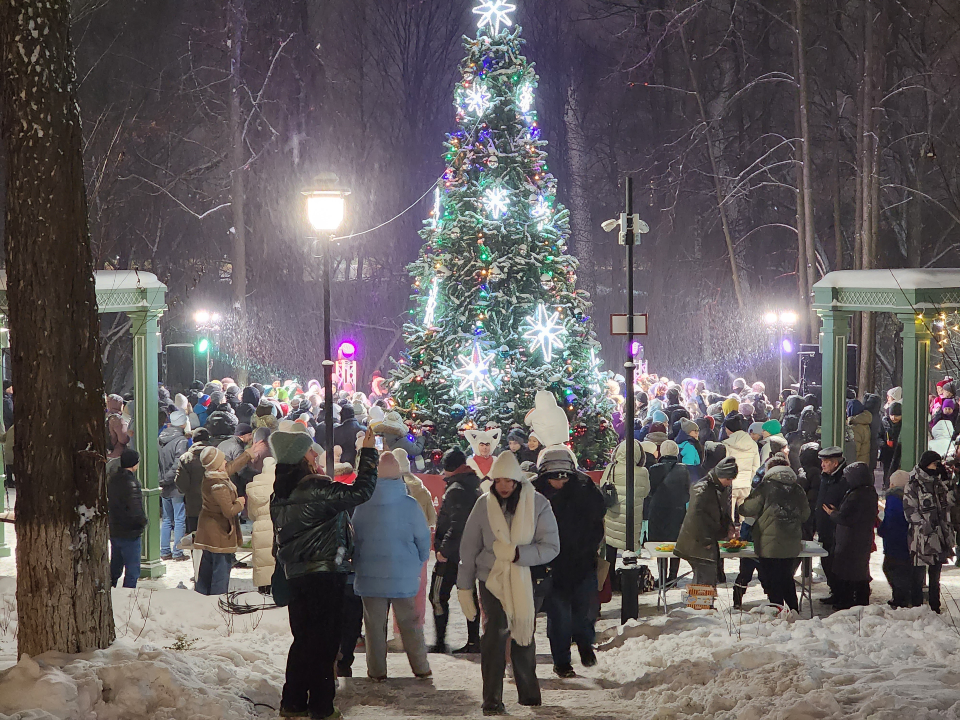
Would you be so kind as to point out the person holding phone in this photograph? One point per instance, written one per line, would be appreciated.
(314, 545)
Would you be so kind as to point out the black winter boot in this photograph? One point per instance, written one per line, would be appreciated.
(440, 623)
(473, 639)
(738, 593)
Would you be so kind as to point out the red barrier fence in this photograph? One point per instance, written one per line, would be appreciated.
(436, 485)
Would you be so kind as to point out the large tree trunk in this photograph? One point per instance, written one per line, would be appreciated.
(236, 20)
(871, 189)
(810, 253)
(577, 171)
(63, 578)
(803, 265)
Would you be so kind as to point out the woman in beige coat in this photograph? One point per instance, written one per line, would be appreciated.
(259, 491)
(218, 528)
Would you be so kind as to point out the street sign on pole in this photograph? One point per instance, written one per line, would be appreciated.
(620, 326)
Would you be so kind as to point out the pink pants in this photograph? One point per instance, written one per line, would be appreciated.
(420, 603)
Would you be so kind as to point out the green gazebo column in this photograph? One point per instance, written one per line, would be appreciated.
(916, 369)
(834, 336)
(4, 548)
(146, 346)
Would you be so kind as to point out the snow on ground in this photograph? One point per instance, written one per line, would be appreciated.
(178, 657)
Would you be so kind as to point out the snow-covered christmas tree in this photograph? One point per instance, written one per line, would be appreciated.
(496, 313)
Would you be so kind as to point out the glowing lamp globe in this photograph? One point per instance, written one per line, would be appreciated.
(770, 318)
(347, 349)
(202, 317)
(326, 203)
(788, 318)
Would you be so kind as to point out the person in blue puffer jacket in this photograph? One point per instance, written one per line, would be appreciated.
(894, 528)
(392, 544)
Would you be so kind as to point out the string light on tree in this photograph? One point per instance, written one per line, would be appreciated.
(595, 374)
(436, 206)
(431, 308)
(475, 373)
(545, 332)
(493, 14)
(525, 98)
(478, 98)
(497, 202)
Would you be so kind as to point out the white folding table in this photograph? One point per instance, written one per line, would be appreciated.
(811, 549)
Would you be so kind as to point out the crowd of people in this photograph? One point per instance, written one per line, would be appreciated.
(713, 467)
(520, 528)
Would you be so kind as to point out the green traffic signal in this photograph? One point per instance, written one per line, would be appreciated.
(203, 346)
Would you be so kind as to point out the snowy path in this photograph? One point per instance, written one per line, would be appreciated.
(178, 657)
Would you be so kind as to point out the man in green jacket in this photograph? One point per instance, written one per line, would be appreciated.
(706, 523)
(780, 507)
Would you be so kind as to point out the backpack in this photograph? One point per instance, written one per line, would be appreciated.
(108, 433)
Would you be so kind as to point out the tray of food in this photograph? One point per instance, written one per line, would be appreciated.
(733, 546)
(666, 547)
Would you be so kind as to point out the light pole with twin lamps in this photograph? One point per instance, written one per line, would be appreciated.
(326, 207)
(207, 323)
(780, 323)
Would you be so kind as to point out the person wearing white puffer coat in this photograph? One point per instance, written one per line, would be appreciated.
(942, 437)
(615, 521)
(259, 491)
(742, 448)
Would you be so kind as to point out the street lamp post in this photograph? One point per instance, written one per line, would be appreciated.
(207, 323)
(780, 323)
(630, 227)
(326, 206)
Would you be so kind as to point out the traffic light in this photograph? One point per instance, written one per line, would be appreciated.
(203, 346)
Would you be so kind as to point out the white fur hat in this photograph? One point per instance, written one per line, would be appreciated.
(506, 466)
(403, 460)
(375, 415)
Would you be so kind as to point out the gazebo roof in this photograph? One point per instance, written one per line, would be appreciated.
(117, 291)
(901, 290)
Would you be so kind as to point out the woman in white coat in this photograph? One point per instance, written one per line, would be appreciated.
(744, 449)
(259, 491)
(615, 521)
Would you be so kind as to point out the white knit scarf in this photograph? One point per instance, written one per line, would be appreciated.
(509, 582)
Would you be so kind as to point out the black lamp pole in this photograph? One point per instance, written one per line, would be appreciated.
(327, 362)
(630, 577)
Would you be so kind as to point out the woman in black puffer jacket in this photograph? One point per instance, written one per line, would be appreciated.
(313, 543)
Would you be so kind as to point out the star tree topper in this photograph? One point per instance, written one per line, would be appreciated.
(494, 13)
(545, 332)
(475, 373)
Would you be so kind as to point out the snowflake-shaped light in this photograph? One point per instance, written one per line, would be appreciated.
(475, 373)
(431, 308)
(478, 98)
(525, 98)
(493, 14)
(540, 210)
(497, 202)
(545, 332)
